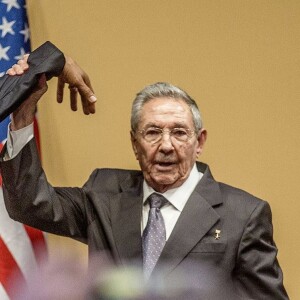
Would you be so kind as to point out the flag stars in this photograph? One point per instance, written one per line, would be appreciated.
(10, 4)
(26, 32)
(20, 56)
(6, 27)
(3, 52)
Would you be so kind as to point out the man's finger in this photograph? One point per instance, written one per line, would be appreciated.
(15, 70)
(25, 57)
(20, 67)
(88, 99)
(23, 64)
(73, 98)
(85, 107)
(92, 108)
(11, 72)
(87, 93)
(87, 81)
(60, 90)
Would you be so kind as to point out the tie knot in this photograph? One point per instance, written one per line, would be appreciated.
(157, 200)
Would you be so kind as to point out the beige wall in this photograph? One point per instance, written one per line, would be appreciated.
(239, 59)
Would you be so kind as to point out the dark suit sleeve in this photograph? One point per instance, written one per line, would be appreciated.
(30, 199)
(258, 272)
(14, 90)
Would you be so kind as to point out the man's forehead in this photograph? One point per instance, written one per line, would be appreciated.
(165, 105)
(165, 110)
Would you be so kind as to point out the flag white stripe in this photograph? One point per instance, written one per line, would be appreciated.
(17, 241)
(3, 295)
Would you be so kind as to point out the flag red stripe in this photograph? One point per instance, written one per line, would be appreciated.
(1, 146)
(38, 242)
(9, 269)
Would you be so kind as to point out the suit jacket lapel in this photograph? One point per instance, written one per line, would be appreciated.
(126, 210)
(196, 219)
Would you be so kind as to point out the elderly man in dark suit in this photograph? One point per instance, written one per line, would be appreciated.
(171, 217)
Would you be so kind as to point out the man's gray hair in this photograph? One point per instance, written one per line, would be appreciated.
(161, 90)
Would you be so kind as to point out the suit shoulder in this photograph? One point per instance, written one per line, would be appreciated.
(234, 196)
(111, 172)
(111, 180)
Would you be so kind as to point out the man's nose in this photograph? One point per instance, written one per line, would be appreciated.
(166, 144)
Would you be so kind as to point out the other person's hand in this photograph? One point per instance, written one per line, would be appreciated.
(79, 82)
(72, 74)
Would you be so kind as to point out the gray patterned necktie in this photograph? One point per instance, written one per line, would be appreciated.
(154, 235)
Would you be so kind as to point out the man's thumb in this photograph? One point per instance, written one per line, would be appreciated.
(87, 93)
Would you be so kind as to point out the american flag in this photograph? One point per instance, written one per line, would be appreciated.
(20, 245)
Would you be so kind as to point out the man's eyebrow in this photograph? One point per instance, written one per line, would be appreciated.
(180, 125)
(151, 124)
(174, 125)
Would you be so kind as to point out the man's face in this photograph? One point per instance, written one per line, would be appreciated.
(167, 163)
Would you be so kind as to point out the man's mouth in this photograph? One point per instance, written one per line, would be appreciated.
(165, 164)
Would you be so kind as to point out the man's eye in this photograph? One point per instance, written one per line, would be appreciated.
(178, 132)
(152, 132)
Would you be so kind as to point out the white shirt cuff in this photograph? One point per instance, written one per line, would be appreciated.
(16, 140)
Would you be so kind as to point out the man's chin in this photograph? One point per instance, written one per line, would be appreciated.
(164, 180)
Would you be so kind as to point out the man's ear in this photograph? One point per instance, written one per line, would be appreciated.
(202, 136)
(133, 144)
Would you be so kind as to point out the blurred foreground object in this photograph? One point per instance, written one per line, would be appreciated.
(65, 278)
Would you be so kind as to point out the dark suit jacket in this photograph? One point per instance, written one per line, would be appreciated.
(15, 89)
(106, 214)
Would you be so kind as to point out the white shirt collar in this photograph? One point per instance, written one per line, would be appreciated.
(180, 195)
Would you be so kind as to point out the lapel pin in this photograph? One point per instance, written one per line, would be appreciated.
(217, 234)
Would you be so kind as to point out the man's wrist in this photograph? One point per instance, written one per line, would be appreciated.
(21, 123)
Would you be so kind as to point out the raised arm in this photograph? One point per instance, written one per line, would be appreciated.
(70, 74)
